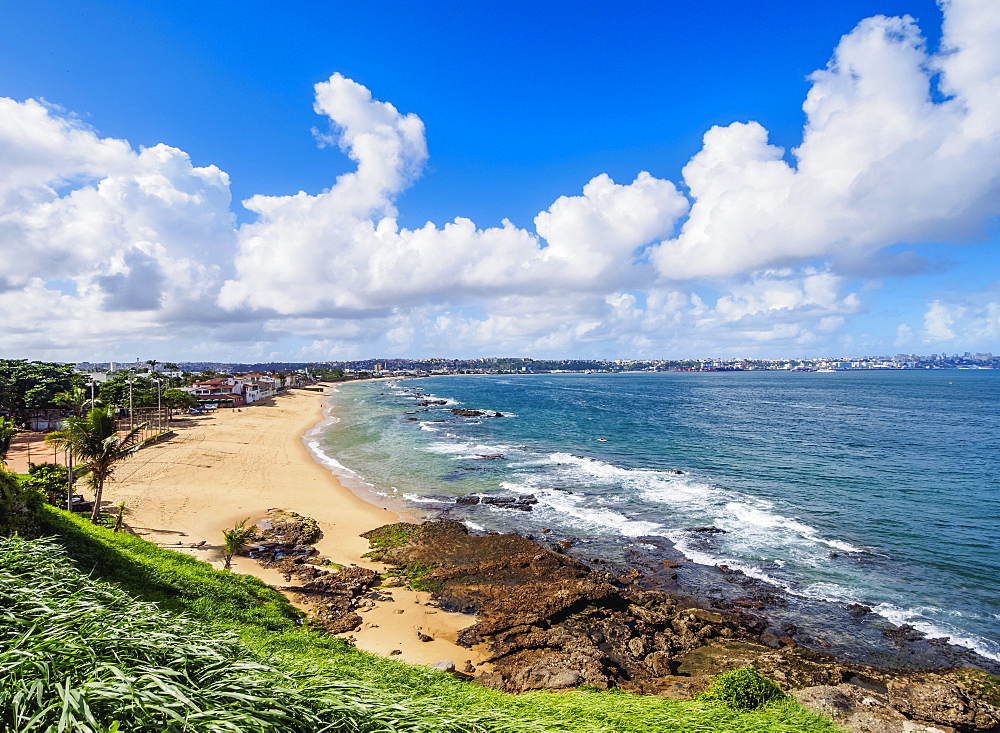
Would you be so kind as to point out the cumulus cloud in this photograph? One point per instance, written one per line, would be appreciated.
(968, 320)
(761, 250)
(100, 241)
(883, 159)
(342, 250)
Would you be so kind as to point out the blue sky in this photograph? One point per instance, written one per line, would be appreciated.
(517, 105)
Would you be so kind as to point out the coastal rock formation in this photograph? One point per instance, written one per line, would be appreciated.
(283, 541)
(943, 704)
(524, 503)
(468, 413)
(551, 621)
(931, 707)
(283, 527)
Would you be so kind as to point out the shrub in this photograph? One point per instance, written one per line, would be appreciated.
(18, 506)
(742, 689)
(50, 480)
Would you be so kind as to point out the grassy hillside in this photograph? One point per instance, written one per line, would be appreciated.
(87, 649)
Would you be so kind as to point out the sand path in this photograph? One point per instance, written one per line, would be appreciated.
(227, 466)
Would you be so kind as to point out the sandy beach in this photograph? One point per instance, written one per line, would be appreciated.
(231, 465)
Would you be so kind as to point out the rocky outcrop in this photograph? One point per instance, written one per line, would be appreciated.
(944, 704)
(908, 706)
(279, 526)
(331, 594)
(550, 621)
(853, 708)
(524, 503)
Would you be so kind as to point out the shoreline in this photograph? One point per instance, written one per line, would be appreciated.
(848, 630)
(231, 465)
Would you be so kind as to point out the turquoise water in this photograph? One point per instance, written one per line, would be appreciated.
(878, 488)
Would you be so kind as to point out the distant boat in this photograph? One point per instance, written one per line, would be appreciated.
(826, 370)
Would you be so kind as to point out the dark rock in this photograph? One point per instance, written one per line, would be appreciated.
(705, 530)
(468, 413)
(771, 639)
(857, 610)
(288, 528)
(944, 704)
(424, 637)
(470, 499)
(524, 503)
(853, 708)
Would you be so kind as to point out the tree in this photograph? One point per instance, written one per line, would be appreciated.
(76, 399)
(171, 367)
(235, 540)
(96, 443)
(152, 364)
(50, 480)
(18, 506)
(27, 385)
(7, 433)
(115, 391)
(179, 399)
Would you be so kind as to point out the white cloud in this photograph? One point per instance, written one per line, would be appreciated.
(119, 246)
(971, 321)
(342, 250)
(881, 161)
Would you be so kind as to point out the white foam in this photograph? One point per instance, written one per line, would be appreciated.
(589, 512)
(328, 461)
(749, 516)
(684, 542)
(449, 448)
(900, 616)
(418, 499)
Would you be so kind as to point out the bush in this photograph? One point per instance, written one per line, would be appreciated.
(18, 506)
(50, 480)
(742, 689)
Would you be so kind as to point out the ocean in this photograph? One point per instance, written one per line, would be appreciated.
(874, 488)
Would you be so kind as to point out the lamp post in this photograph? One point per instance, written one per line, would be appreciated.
(130, 424)
(159, 424)
(69, 480)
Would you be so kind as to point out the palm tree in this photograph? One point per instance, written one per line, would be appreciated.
(75, 399)
(152, 364)
(235, 540)
(95, 441)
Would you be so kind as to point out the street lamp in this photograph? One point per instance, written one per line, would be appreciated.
(130, 419)
(159, 424)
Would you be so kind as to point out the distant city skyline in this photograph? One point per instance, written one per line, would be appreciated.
(255, 183)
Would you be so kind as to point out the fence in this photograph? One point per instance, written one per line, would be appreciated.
(156, 420)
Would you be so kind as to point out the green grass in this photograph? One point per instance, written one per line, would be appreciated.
(209, 619)
(383, 538)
